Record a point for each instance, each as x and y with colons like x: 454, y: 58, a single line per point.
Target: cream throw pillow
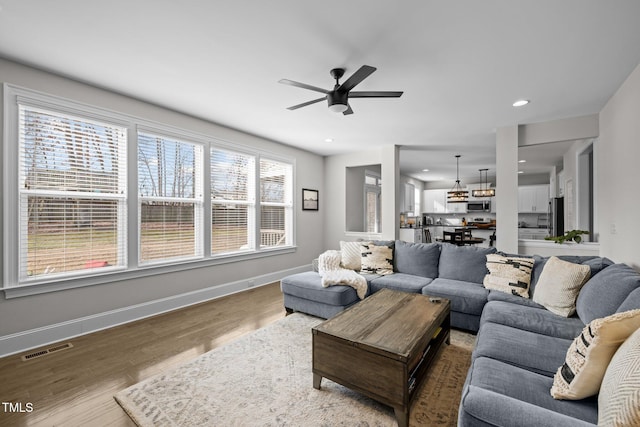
x: 511, y: 275
x: 619, y: 399
x: 590, y: 353
x: 351, y: 255
x: 376, y: 259
x: 559, y: 285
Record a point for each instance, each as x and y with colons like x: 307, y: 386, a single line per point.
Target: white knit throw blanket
x: 332, y: 274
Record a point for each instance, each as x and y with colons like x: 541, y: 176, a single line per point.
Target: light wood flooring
x: 75, y: 387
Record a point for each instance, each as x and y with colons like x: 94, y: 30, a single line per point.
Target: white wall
x: 21, y: 314
x: 334, y: 183
x: 618, y: 174
x: 507, y: 189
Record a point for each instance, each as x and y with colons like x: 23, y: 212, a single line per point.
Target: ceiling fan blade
x: 348, y: 110
x: 385, y: 94
x: 304, y: 104
x: 302, y: 85
x: 362, y: 73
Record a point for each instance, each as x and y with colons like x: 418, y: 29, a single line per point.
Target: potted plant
x: 573, y: 235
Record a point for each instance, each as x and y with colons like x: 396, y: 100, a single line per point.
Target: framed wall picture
x: 309, y: 200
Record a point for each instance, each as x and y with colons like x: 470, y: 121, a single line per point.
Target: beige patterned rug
x: 265, y: 379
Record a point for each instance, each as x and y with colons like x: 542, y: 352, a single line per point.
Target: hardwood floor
x: 75, y: 387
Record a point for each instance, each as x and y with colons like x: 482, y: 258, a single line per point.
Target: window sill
x: 144, y: 271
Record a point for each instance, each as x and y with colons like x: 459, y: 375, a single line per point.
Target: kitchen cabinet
x: 409, y: 197
x: 532, y: 233
x: 456, y: 208
x: 533, y: 198
x: 411, y: 235
x: 435, y: 201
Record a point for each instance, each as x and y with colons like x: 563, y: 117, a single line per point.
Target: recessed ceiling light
x: 425, y: 170
x: 328, y: 140
x: 522, y: 161
x: 520, y: 103
x: 520, y: 171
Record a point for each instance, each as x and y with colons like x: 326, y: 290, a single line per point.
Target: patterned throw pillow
x: 376, y: 259
x: 351, y: 255
x: 559, y: 285
x: 511, y: 275
x: 619, y: 398
x: 590, y: 353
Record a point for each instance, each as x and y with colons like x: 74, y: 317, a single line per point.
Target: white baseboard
x: 22, y: 341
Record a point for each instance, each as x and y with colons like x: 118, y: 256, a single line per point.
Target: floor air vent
x: 41, y: 353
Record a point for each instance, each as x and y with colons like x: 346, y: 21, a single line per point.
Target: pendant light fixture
x: 457, y: 194
x: 484, y: 190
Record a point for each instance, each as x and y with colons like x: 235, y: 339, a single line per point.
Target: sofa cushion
x: 595, y: 263
x: 464, y: 263
x: 603, y: 294
x: 559, y: 285
x: 465, y: 297
x: 511, y: 275
x: 529, y: 350
x: 351, y: 255
x: 499, y: 394
x: 376, y: 259
x: 631, y: 302
x: 590, y: 353
x: 399, y: 282
x: 512, y: 299
x: 308, y: 285
x: 619, y: 399
x: 533, y: 319
x: 418, y: 259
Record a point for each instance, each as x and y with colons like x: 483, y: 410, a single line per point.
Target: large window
x: 232, y: 201
x: 90, y: 193
x: 170, y: 196
x: 276, y: 203
x: 72, y: 194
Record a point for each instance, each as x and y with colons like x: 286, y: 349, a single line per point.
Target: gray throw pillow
x: 418, y: 259
x: 603, y: 293
x: 464, y: 263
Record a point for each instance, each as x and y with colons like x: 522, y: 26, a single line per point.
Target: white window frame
x: 12, y: 285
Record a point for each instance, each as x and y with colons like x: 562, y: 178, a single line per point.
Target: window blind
x: 276, y: 201
x: 72, y: 194
x: 232, y: 201
x: 170, y: 197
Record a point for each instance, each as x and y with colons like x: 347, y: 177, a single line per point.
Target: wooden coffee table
x: 382, y: 346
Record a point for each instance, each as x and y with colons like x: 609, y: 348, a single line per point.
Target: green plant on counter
x: 573, y: 235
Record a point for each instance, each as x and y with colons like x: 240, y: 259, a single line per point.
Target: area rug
x: 265, y: 379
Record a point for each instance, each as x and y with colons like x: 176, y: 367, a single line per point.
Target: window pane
x: 67, y: 235
x: 232, y: 201
x: 60, y: 152
x: 167, y: 230
x: 276, y: 190
x: 166, y: 167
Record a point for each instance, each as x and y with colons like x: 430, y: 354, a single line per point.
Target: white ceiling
x: 461, y: 64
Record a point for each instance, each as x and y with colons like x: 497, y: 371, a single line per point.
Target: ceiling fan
x: 338, y: 98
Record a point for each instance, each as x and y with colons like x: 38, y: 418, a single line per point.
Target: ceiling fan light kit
x: 457, y: 194
x: 338, y: 98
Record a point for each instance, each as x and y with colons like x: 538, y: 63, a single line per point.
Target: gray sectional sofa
x: 520, y: 344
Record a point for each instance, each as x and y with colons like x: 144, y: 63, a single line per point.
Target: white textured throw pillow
x: 590, y: 353
x: 619, y: 398
x: 511, y: 275
x: 351, y: 255
x: 376, y: 259
x: 559, y: 285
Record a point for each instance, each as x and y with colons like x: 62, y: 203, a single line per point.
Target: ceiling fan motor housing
x: 338, y: 100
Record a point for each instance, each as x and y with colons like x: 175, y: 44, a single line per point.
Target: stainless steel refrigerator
x: 556, y: 216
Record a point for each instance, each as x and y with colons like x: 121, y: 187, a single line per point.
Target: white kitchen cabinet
x: 532, y: 233
x: 533, y: 198
x: 435, y: 201
x: 409, y: 198
x: 456, y: 208
x: 411, y: 235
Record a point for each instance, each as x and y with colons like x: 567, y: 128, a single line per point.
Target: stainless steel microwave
x: 479, y: 206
